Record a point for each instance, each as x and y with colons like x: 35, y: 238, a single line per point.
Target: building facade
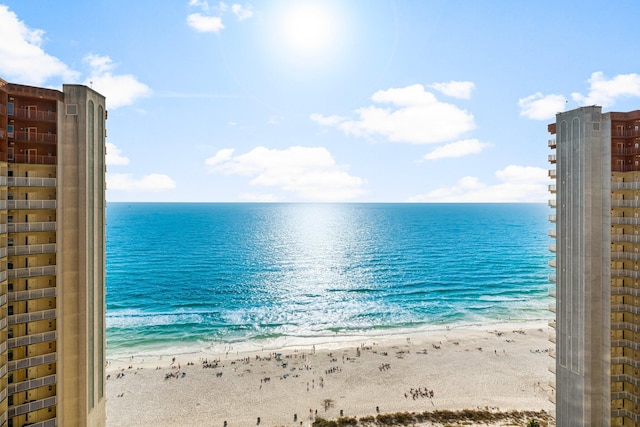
x: 597, y: 232
x: 52, y: 256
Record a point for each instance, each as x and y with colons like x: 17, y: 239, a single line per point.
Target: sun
x: 309, y: 28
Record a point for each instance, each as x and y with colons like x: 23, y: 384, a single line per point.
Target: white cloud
x: 202, y: 4
x: 23, y: 58
x: 603, y: 91
x: 416, y: 117
x: 242, y: 12
x: 457, y: 149
x: 221, y: 156
x: 120, y: 90
x: 309, y: 173
x: 455, y: 89
x: 541, y: 107
x: 518, y: 184
x: 114, y: 156
x: 154, y: 182
x: 327, y: 120
x: 205, y: 24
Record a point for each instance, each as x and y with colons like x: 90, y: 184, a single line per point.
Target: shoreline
x: 498, y: 366
x: 322, y: 341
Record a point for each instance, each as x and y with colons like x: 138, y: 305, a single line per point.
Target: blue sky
x: 340, y: 101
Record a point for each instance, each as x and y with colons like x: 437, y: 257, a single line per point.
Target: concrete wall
x: 583, y: 166
x: 81, y: 243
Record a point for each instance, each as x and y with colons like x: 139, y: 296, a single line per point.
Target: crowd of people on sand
x: 417, y: 393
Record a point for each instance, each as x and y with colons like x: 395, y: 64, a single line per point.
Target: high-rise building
x: 52, y: 256
x: 597, y: 232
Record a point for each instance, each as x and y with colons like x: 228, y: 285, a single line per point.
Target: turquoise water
x: 201, y: 275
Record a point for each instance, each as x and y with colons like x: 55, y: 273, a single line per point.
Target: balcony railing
x: 552, y: 173
x: 552, y: 262
x: 3, y: 276
x: 552, y: 203
x: 626, y: 413
x: 552, y: 143
x: 552, y: 188
x: 32, y: 361
x: 31, y: 204
x: 625, y: 308
x: 31, y: 406
x: 31, y: 384
x: 51, y: 422
x: 552, y: 308
x: 618, y: 326
x: 34, y: 316
x: 625, y: 361
x: 33, y: 159
x: 552, y: 232
x: 618, y: 203
x: 552, y: 292
x: 616, y: 185
x: 32, y: 294
x: 620, y: 290
x: 18, y: 227
x: 32, y: 339
x: 23, y: 113
x: 552, y: 248
x: 23, y: 136
x: 625, y: 220
x: 48, y: 248
x: 552, y: 218
x: 634, y: 274
x: 32, y: 271
x: 634, y: 256
x: 31, y: 182
x: 617, y: 395
x: 552, y: 278
x: 552, y: 158
x: 630, y: 238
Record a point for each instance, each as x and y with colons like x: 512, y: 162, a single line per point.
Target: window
x: 10, y: 310
x: 10, y: 108
x: 10, y: 131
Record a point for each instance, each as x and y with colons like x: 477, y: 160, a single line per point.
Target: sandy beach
x: 504, y: 367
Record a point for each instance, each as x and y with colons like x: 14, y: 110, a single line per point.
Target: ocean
x: 204, y: 276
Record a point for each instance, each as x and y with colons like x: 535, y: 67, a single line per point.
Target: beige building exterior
x: 52, y: 256
x: 597, y: 232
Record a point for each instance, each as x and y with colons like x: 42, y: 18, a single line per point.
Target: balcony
x: 552, y: 232
x: 552, y: 292
x: 552, y: 262
x: 625, y: 220
x: 34, y: 316
x: 552, y: 278
x: 31, y: 204
x: 552, y: 248
x: 626, y: 413
x: 552, y: 173
x: 633, y: 256
x: 32, y: 361
x: 552, y: 308
x: 552, y: 143
x: 32, y: 271
x: 33, y: 294
x: 620, y: 290
x: 31, y: 406
x: 48, y: 248
x: 28, y: 136
x: 31, y: 182
x: 552, y: 203
x: 33, y: 159
x: 32, y: 339
x: 552, y: 218
x: 616, y: 185
x: 19, y: 227
x: 618, y: 203
x: 552, y: 323
x: 552, y: 158
x: 51, y: 422
x: 552, y: 188
x: 634, y: 274
x: 619, y: 326
x: 630, y: 238
x: 552, y: 338
x: 31, y: 384
x: 3, y: 276
x: 43, y: 116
